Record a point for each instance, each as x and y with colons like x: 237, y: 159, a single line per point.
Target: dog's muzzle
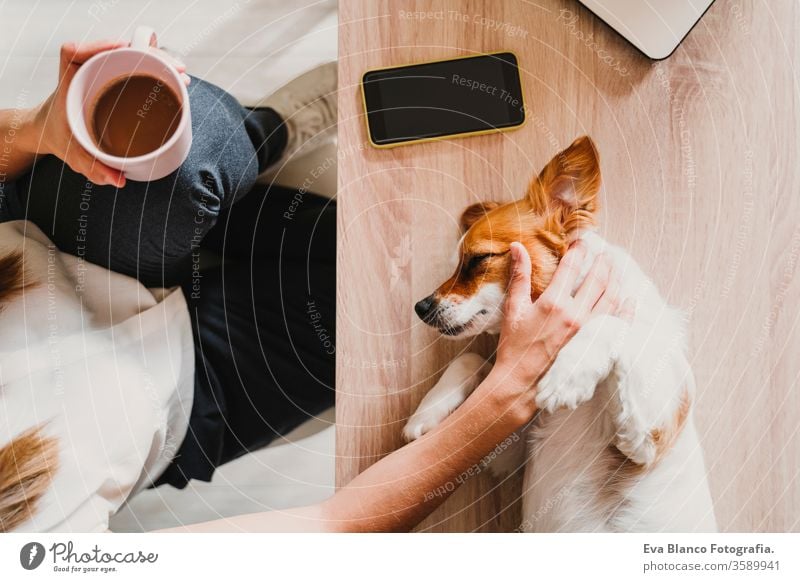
x: 429, y: 312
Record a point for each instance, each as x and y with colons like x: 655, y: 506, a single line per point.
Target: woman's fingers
x: 97, y: 172
x: 609, y: 300
x: 519, y: 289
x: 593, y: 285
x: 171, y: 59
x: 175, y: 61
x: 74, y: 55
x: 116, y: 177
x: 80, y: 53
x: 566, y: 274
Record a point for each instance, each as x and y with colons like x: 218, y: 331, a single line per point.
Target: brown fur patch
x: 665, y: 437
x: 12, y: 279
x: 28, y: 461
x: 492, y: 235
x: 27, y: 465
x: 568, y: 186
x: 475, y: 212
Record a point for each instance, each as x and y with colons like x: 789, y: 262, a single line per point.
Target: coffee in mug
x: 129, y: 109
x: 134, y: 115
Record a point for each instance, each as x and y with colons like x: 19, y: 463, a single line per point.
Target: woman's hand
x: 50, y: 133
x: 53, y: 135
x: 534, y: 331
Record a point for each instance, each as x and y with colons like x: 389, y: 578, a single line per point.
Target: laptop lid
x: 655, y: 27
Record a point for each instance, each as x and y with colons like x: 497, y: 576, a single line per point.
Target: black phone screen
x: 444, y: 98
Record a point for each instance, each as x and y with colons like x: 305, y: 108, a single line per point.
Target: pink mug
x: 97, y: 73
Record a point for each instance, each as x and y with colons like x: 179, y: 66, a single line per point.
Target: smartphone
x: 442, y: 99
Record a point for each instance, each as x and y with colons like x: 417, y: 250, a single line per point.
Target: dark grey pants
x: 263, y: 321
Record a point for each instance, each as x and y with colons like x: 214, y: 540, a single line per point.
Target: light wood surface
x: 701, y: 183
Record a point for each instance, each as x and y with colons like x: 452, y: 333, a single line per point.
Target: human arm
x: 15, y: 133
x: 394, y: 494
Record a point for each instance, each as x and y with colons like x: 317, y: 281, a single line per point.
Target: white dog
x: 614, y: 447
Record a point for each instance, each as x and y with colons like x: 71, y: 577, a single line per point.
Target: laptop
x: 655, y: 27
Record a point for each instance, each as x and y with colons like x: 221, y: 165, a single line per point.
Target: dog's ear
x: 568, y: 186
x: 474, y: 212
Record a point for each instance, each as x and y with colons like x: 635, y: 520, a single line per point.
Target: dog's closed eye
x: 473, y: 261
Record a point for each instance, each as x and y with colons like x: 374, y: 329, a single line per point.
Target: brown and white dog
x: 614, y: 447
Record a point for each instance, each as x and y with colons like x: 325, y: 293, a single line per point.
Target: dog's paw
x: 580, y: 365
x: 565, y: 386
x: 459, y: 380
x: 424, y: 421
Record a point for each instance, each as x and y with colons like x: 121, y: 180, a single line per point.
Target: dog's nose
x: 424, y: 307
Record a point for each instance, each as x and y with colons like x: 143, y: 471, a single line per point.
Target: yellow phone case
x: 443, y: 137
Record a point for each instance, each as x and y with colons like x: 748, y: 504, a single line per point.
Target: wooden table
x: 701, y: 182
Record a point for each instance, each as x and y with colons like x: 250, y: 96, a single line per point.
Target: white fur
x: 459, y: 380
x: 480, y: 313
x: 612, y: 385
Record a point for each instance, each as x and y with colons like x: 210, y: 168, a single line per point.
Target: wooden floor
x: 700, y: 161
